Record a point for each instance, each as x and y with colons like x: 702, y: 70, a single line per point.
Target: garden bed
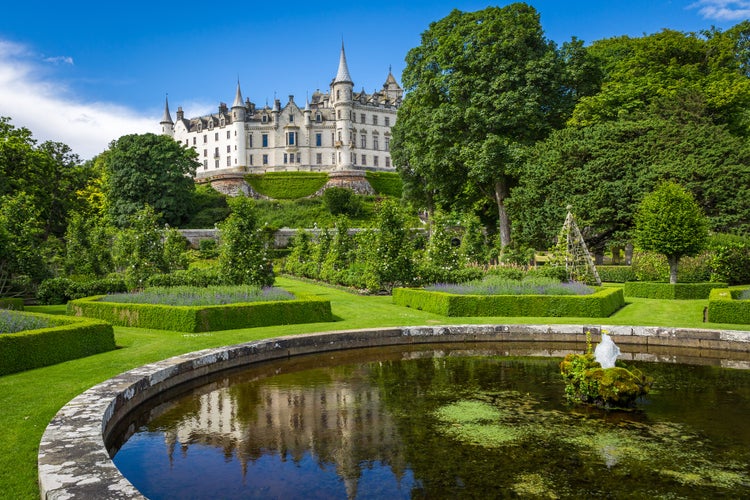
x: 602, y: 303
x: 729, y: 306
x: 678, y: 291
x: 62, y: 340
x: 205, y: 318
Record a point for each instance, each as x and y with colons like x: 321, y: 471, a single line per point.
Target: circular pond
x: 437, y: 421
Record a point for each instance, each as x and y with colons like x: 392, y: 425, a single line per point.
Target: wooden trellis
x: 578, y: 262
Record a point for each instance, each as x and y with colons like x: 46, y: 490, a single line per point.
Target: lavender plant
x: 745, y: 295
x: 14, y: 321
x: 192, y: 296
x: 498, y: 285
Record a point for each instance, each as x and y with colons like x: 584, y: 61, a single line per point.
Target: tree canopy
x: 149, y: 169
x: 480, y: 87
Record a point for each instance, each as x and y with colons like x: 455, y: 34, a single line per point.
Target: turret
x: 167, y: 125
x: 341, y: 96
x: 391, y: 88
x: 238, y: 107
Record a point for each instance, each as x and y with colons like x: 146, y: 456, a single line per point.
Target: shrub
x: 244, y: 252
x: 650, y: 266
x: 208, y: 249
x: 11, y: 303
x: 616, y: 274
x: 196, y: 277
x: 387, y: 183
x: 61, y: 290
x: 342, y: 201
x: 509, y: 272
x: 730, y: 260
x: 663, y: 290
x: 65, y: 339
x: 558, y: 273
x: 287, y: 185
x: 602, y: 303
x: 729, y: 306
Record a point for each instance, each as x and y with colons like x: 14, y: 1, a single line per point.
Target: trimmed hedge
x: 616, y: 274
x: 287, y: 185
x: 600, y: 304
x: 11, y: 303
x: 724, y: 306
x: 387, y: 183
x: 70, y: 338
x: 678, y: 291
x: 61, y: 290
x: 205, y: 318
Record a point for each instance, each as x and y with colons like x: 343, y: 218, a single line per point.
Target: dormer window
x: 318, y: 117
x: 264, y: 119
x: 291, y: 118
x: 222, y: 122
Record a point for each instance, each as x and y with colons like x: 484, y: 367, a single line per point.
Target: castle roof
x: 167, y: 118
x: 343, y: 76
x: 238, y: 97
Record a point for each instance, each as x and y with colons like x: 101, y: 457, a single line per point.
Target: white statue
x: 606, y: 352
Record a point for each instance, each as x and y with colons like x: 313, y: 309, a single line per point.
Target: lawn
x: 29, y: 400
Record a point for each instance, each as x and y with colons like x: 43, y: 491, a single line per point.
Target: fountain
x: 606, y: 352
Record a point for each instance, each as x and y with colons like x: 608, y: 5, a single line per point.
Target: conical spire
x: 343, y: 74
x: 238, y: 97
x: 167, y: 118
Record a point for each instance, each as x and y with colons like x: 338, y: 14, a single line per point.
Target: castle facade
x: 341, y: 132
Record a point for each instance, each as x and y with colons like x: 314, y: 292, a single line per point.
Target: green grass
x: 29, y: 400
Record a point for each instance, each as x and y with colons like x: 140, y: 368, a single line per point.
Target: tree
x: 149, y: 169
x: 244, y: 257
x: 389, y: 259
x: 139, y: 248
x: 670, y: 222
x: 21, y: 236
x: 481, y: 87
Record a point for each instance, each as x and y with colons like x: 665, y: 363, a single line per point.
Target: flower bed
x: 729, y: 306
x: 205, y: 318
x: 59, y: 339
x: 602, y: 303
x: 204, y: 296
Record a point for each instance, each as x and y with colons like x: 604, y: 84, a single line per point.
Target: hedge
x: 61, y: 290
x: 387, y: 183
x: 679, y: 291
x: 602, y: 303
x: 287, y: 185
x: 616, y: 274
x: 11, y: 303
x: 724, y: 306
x: 69, y: 338
x: 205, y: 318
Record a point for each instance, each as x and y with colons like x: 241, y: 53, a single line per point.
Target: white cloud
x: 32, y: 98
x: 723, y: 10
x: 59, y: 59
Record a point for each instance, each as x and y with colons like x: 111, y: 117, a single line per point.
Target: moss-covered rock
x: 587, y: 382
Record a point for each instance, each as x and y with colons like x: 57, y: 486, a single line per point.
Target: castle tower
x: 392, y: 89
x: 239, y: 113
x: 167, y: 125
x: 341, y: 97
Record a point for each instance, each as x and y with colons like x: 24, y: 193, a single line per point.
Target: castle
x: 342, y: 132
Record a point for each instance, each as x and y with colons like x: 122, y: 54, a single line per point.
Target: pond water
x: 445, y: 421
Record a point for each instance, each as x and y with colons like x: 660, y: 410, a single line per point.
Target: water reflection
x: 350, y: 425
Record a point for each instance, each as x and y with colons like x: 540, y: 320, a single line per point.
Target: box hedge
x: 205, y: 318
x: 724, y: 306
x: 67, y: 338
x: 660, y: 290
x: 387, y: 183
x: 11, y: 303
x: 287, y: 185
x: 616, y: 274
x: 602, y: 303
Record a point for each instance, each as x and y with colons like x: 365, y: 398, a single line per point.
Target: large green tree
x: 670, y: 222
x: 480, y: 88
x: 149, y: 169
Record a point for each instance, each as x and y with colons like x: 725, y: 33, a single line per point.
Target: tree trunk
x: 673, y: 263
x: 503, y: 225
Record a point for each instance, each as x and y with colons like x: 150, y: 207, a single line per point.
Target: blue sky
x: 85, y: 73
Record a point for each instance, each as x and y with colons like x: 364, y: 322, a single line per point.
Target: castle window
x: 354, y: 159
x: 216, y: 136
x: 318, y: 117
x: 363, y: 118
x: 338, y: 96
x: 319, y: 158
x: 265, y: 159
x: 264, y: 118
x: 363, y: 141
x: 229, y: 149
x: 318, y: 139
x: 205, y: 153
x: 364, y: 159
x: 387, y: 143
x: 375, y: 143
x: 205, y: 164
x: 205, y: 138
x: 221, y: 123
x: 216, y: 163
x: 229, y: 161
x: 291, y: 118
x: 333, y: 158
x: 375, y: 160
x: 387, y: 121
x: 187, y: 143
x: 229, y: 134
x: 250, y: 140
x: 338, y: 113
x: 291, y: 138
x: 374, y: 119
x: 194, y: 141
x: 251, y: 159
x: 216, y: 152
x: 387, y: 161
x: 265, y: 140
x: 299, y: 158
x: 200, y: 127
x: 285, y: 157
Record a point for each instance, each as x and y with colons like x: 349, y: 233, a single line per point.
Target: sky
x: 86, y: 73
